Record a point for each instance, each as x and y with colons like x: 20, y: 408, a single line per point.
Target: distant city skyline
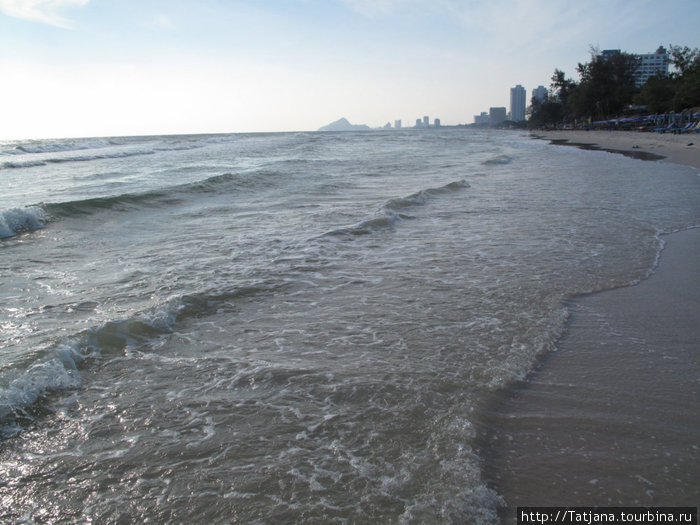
x: 650, y: 64
x: 540, y: 94
x: 88, y: 68
x: 517, y: 103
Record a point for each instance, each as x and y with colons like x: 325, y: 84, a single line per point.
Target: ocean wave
x: 46, y: 212
x: 392, y: 211
x: 124, y: 202
x: 60, y: 146
x: 369, y: 226
x: 180, y: 147
x: 21, y: 220
x: 498, y: 160
x: 24, y: 154
x: 31, y: 218
x: 421, y: 197
x: 25, y: 396
x: 19, y: 399
x: 59, y: 369
x: 10, y: 164
x: 28, y: 163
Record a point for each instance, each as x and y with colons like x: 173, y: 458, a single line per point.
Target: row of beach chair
x: 691, y: 127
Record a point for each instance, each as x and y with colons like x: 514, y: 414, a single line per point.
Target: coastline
x: 680, y: 149
x: 609, y: 419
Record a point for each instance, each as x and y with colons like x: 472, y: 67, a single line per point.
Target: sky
x: 82, y: 68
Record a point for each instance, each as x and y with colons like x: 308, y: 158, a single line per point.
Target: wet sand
x: 611, y: 417
x: 667, y: 147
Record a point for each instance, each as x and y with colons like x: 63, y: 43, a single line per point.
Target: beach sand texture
x: 567, y: 435
x: 680, y: 149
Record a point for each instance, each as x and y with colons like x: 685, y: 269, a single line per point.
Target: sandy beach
x: 555, y: 433
x: 549, y: 440
x: 680, y: 149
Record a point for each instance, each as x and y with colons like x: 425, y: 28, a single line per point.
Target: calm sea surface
x: 292, y: 328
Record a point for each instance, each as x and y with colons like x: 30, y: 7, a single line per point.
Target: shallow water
x: 293, y: 327
x: 610, y: 418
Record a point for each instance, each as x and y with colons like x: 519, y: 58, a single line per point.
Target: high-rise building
x: 397, y: 124
x: 497, y: 116
x: 651, y: 64
x: 517, y: 103
x: 540, y: 94
x: 608, y: 53
x: 437, y: 122
x: 426, y: 121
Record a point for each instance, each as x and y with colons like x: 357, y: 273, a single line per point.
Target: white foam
x: 19, y: 220
x: 57, y: 372
x: 52, y: 147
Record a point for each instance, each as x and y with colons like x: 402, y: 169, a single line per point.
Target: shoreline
x: 681, y: 149
x: 609, y: 418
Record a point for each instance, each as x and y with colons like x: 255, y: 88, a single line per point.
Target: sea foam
x: 21, y: 220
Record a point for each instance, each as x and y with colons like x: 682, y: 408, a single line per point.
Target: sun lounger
x: 670, y: 127
x: 688, y: 128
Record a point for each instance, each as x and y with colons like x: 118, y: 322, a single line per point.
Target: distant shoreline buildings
x: 497, y: 115
x: 421, y: 123
x: 424, y: 123
x: 540, y: 94
x: 650, y: 64
x: 517, y: 103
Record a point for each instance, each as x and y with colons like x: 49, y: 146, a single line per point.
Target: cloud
x: 44, y: 11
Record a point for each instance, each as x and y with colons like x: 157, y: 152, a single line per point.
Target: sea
x: 294, y: 327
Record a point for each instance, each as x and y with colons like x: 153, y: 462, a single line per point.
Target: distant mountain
x: 344, y: 125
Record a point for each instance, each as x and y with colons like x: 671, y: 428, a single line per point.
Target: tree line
x: 606, y: 89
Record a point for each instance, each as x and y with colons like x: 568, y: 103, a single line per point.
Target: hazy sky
x: 123, y: 67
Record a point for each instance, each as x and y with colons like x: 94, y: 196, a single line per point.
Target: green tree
x: 684, y: 59
x: 545, y: 114
x: 606, y: 86
x: 658, y: 94
x: 687, y: 77
x: 562, y: 89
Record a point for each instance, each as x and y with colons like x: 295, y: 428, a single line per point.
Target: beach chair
x: 664, y: 129
x: 686, y: 129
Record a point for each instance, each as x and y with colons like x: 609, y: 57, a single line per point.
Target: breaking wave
x: 28, y: 163
x: 21, y: 220
x: 42, y: 153
x: 26, y: 396
x: 423, y: 196
x: 394, y: 208
x: 58, y: 146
